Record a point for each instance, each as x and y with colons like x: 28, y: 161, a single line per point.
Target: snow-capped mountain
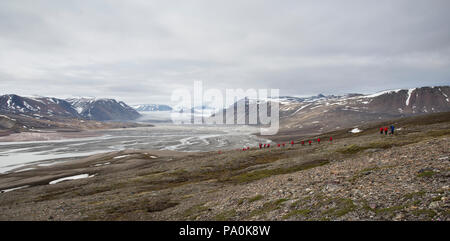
x: 325, y: 113
x: 37, y: 106
x: 394, y: 102
x: 103, y: 109
x: 78, y: 108
x: 151, y: 107
x: 330, y: 113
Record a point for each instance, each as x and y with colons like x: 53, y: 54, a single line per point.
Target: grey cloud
x: 139, y: 51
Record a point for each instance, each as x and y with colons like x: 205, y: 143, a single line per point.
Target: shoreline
x: 33, y: 174
x: 60, y: 134
x: 48, y: 136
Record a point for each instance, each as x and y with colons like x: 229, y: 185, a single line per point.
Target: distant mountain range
x: 77, y: 108
x: 103, y: 109
x: 202, y: 110
x: 307, y: 115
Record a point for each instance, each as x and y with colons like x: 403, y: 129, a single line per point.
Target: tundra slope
x: 362, y: 176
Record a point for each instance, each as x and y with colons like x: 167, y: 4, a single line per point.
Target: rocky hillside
x: 322, y: 113
x: 6, y: 122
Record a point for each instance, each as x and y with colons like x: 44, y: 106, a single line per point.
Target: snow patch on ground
x: 29, y: 106
x: 81, y: 176
x: 410, y: 91
x: 102, y: 164
x: 301, y: 108
x: 13, y: 189
x: 9, y: 102
x: 443, y: 93
x: 355, y: 130
x: 118, y: 157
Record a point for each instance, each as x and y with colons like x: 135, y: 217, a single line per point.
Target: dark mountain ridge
x: 75, y: 108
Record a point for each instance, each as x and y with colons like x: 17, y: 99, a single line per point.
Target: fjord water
x: 186, y: 138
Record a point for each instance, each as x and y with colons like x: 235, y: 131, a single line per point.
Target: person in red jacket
x: 284, y: 144
x: 264, y: 145
x: 309, y: 142
x: 385, y: 130
x: 260, y: 145
x: 318, y: 140
x: 331, y: 139
x: 278, y: 144
x: 381, y: 130
x: 292, y: 143
x: 303, y: 143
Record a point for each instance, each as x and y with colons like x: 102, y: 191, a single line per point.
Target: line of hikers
x: 262, y: 146
x: 385, y: 130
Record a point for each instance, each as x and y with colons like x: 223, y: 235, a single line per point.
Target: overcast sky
x: 139, y: 51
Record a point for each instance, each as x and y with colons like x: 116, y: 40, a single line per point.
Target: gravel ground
x: 403, y: 183
x: 363, y: 176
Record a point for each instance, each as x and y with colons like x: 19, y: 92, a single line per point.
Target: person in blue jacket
x: 392, y: 129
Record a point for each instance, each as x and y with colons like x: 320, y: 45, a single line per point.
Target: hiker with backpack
x: 392, y: 129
